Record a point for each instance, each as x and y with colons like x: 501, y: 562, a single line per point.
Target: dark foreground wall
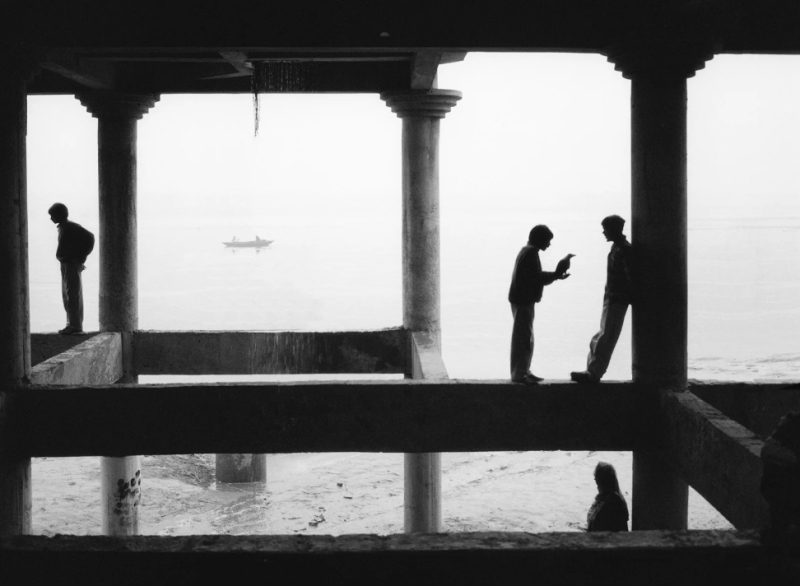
x: 759, y: 407
x: 646, y: 557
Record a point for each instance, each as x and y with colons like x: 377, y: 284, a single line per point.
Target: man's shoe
x: 71, y: 331
x: 528, y: 379
x: 583, y: 377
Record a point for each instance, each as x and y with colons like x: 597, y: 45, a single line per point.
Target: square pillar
x: 16, y: 69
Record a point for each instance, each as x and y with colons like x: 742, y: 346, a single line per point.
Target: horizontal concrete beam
x: 91, y: 74
x: 268, y: 352
x: 392, y: 416
x: 95, y: 361
x: 758, y: 407
x: 636, y: 558
x: 717, y: 456
x: 563, y: 25
x: 317, y: 77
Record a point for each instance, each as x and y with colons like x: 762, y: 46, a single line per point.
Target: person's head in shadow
x: 613, y: 227
x: 540, y: 237
x: 609, y: 512
x: 58, y: 213
x: 605, y: 476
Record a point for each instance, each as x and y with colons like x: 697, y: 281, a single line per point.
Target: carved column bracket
x: 660, y: 60
x: 106, y: 104
x: 421, y: 103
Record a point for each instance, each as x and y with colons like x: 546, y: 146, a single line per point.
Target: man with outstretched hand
x: 527, y: 283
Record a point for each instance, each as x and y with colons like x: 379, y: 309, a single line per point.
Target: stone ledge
x: 646, y: 557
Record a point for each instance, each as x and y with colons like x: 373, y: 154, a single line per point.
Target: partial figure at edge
x: 609, y: 512
x: 780, y: 480
x: 74, y: 244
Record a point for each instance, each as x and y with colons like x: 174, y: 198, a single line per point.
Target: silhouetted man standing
x: 74, y: 244
x: 527, y: 284
x: 618, y: 296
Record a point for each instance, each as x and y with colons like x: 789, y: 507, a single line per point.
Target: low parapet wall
x: 717, y: 456
x: 636, y: 558
x: 236, y: 352
x: 93, y: 361
x: 47, y: 345
x: 758, y: 407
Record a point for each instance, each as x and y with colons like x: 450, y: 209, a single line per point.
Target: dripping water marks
x: 281, y: 76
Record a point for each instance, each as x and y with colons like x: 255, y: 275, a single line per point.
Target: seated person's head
x: 606, y: 477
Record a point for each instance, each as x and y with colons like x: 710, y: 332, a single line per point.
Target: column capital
x: 107, y: 104
x: 421, y: 103
x: 672, y: 60
x: 671, y: 39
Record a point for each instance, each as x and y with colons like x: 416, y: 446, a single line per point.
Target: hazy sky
x: 531, y: 130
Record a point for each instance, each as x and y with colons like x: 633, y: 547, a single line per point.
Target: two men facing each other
x: 527, y: 284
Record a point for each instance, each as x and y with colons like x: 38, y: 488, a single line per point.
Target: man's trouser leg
x: 72, y: 293
x: 603, y: 343
x: 521, y: 340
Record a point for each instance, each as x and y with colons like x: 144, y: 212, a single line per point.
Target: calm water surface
x: 343, y: 273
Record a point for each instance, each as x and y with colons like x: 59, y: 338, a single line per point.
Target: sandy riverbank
x: 340, y: 493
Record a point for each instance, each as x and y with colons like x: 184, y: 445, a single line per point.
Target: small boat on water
x: 257, y: 243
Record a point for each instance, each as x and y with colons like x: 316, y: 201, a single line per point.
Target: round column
x: 421, y: 111
x: 660, y: 314
x: 117, y: 115
x: 659, y: 230
x: 658, y: 73
x: 15, y: 364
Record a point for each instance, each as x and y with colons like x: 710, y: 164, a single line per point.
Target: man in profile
x: 527, y: 284
x: 618, y: 295
x: 74, y: 244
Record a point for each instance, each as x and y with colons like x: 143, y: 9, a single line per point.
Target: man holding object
x: 527, y: 284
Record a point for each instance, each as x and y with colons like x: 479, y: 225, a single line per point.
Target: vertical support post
x: 421, y: 111
x: 15, y: 362
x: 117, y: 115
x: 659, y: 238
x: 659, y: 232
x: 241, y: 468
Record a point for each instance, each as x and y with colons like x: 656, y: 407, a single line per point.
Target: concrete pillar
x: 421, y: 111
x: 15, y: 363
x: 120, y: 483
x: 659, y: 238
x: 119, y: 306
x: 659, y: 230
x: 238, y: 468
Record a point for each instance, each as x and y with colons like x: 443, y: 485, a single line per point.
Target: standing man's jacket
x: 619, y: 288
x: 74, y: 242
x: 528, y: 279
